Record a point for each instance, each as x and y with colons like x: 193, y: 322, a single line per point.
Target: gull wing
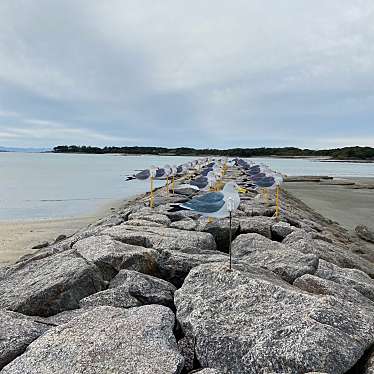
x: 144, y: 174
x: 206, y: 203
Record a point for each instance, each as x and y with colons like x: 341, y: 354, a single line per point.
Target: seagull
x: 213, y: 204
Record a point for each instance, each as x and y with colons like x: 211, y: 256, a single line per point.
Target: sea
x: 50, y: 186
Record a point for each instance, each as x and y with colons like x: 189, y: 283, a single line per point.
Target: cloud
x: 214, y: 73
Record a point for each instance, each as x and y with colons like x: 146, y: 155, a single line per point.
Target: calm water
x: 34, y: 186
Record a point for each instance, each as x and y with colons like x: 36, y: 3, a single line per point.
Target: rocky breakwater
x: 149, y: 291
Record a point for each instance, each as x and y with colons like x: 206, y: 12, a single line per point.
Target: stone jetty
x: 149, y: 291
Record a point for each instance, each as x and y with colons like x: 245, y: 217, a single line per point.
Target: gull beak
x: 242, y: 190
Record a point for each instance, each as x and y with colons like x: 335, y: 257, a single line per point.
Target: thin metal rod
x: 230, y: 242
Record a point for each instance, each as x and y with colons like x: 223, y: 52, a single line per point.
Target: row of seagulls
x: 206, y: 176
x: 262, y: 178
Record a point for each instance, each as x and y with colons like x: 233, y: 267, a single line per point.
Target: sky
x: 199, y: 73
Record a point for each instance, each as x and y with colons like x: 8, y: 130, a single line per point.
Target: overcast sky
x: 202, y: 73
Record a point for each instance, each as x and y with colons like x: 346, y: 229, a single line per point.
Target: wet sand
x: 18, y: 237
x: 343, y: 204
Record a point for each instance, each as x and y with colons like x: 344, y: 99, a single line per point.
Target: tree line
x: 346, y: 153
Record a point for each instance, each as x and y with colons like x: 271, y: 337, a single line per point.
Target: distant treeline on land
x: 346, y: 153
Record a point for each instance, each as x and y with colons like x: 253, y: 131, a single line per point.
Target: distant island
x: 346, y: 153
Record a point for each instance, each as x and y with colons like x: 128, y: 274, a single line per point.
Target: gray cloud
x: 212, y: 73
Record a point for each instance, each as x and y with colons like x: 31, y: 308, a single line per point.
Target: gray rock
x: 106, y: 340
x: 252, y: 209
x: 246, y: 321
x: 16, y: 333
x: 175, y: 265
x: 208, y: 371
x: 335, y: 254
x: 142, y: 222
x: 112, y: 220
x: 186, y: 191
x: 40, y: 246
x: 257, y: 250
x: 184, y: 224
x: 131, y: 288
x: 186, y: 347
x: 220, y: 229
x: 320, y: 286
x: 257, y: 225
x: 110, y: 255
x: 162, y: 238
x: 66, y: 316
x: 50, y: 285
x: 353, y: 278
x: 280, y: 230
x: 364, y: 233
x: 369, y: 366
x: 60, y: 238
x: 161, y: 219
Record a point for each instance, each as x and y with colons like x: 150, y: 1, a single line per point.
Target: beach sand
x: 18, y: 237
x: 343, y: 204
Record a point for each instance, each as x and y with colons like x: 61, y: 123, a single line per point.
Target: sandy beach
x: 343, y: 204
x: 18, y: 237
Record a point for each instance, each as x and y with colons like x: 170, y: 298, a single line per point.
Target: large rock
x: 279, y: 230
x: 143, y: 223
x: 175, y: 265
x: 247, y: 321
x: 335, y: 254
x: 106, y: 340
x: 257, y: 250
x: 50, y: 285
x: 131, y: 288
x: 16, y: 333
x: 184, y: 224
x: 111, y: 255
x: 257, y: 225
x: 220, y: 229
x: 353, y: 278
x: 369, y: 367
x: 162, y: 238
x: 364, y: 233
x: 320, y: 286
x: 161, y: 219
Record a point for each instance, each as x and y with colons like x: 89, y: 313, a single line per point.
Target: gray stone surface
x: 220, y: 229
x: 335, y: 254
x: 130, y: 288
x: 143, y: 223
x: 184, y: 224
x: 320, y: 286
x: 151, y: 216
x: 246, y: 321
x: 111, y: 255
x: 16, y: 333
x: 258, y: 225
x: 106, y: 340
x: 364, y: 233
x: 369, y: 366
x: 352, y: 278
x: 162, y: 238
x: 279, y: 230
x: 50, y: 285
x: 175, y: 265
x: 257, y: 250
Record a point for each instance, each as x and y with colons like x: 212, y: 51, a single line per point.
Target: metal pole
x: 230, y: 242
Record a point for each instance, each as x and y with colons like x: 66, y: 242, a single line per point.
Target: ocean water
x: 43, y: 186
